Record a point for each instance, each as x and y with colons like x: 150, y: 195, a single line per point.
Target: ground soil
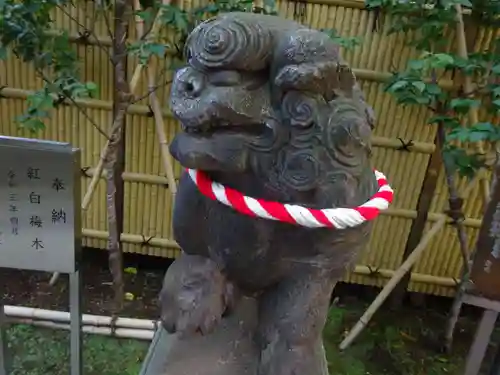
x: 29, y: 288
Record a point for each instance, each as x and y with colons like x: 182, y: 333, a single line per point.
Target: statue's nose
x: 189, y: 82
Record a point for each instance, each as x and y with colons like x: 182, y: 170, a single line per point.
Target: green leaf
x: 447, y: 121
x: 397, y: 86
x: 423, y: 100
x: 372, y: 4
x: 130, y: 270
x: 129, y: 296
x: 40, y: 101
x: 433, y: 89
x: 416, y: 64
x: 181, y: 23
x: 33, y: 124
x: 145, y: 15
x: 3, y: 53
x: 157, y: 49
x: 463, y: 104
x: 441, y: 60
x: 419, y: 85
x: 457, y: 134
x: 477, y: 136
x: 91, y: 87
x: 496, y: 69
x: 478, y: 132
x: 484, y: 127
x: 458, y: 159
x: 270, y: 4
x: 465, y: 3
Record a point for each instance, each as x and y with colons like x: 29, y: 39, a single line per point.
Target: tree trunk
x: 113, y: 164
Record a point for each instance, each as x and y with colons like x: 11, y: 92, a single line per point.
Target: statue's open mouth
x: 217, y: 146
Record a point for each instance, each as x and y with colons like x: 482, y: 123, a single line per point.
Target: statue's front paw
x: 194, y: 298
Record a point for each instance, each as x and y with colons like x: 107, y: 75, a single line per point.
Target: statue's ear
x: 326, y: 78
x: 305, y: 60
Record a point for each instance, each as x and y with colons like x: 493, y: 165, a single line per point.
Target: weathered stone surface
x: 229, y: 350
x: 269, y: 108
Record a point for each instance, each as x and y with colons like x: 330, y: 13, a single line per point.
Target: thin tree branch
x: 107, y: 22
x: 86, y: 30
x: 151, y: 90
x: 73, y: 101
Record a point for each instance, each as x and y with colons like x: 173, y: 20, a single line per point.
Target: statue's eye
x: 224, y: 78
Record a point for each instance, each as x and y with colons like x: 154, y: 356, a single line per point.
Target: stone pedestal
x: 227, y: 351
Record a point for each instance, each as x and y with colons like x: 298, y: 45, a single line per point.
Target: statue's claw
x: 195, y: 296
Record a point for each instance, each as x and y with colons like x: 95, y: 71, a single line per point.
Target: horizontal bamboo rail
x: 149, y: 179
x: 359, y: 270
x: 432, y: 216
x: 106, y: 105
x: 133, y: 239
x: 415, y: 277
x: 394, y: 143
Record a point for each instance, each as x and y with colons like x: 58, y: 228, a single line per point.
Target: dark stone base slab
x: 227, y: 351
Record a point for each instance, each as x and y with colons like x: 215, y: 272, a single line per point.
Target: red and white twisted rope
x: 339, y: 218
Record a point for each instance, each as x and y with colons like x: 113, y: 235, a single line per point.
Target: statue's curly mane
x: 320, y: 123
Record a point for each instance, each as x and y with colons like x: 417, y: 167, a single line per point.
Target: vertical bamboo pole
x: 160, y: 131
x: 156, y: 108
x: 468, y: 89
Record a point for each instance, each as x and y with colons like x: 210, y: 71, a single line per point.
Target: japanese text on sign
x: 38, y: 209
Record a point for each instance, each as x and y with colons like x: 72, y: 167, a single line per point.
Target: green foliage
x: 24, y: 31
x: 27, y: 31
x: 431, y: 25
x: 395, y: 342
x: 41, y: 352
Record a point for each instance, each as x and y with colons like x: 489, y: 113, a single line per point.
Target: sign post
x: 40, y: 220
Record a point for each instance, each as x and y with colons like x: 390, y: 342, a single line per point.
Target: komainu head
x: 264, y: 95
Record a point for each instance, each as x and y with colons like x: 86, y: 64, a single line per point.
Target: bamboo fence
x: 148, y: 196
